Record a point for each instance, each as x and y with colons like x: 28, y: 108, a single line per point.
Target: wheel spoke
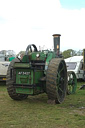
x: 60, y: 89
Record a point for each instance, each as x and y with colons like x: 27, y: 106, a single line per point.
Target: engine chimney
x: 56, y: 38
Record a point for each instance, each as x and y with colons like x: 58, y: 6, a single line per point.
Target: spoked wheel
x: 10, y: 80
x: 56, y: 80
x: 72, y: 82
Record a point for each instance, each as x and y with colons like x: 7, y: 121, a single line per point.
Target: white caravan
x: 4, y: 62
x: 75, y: 64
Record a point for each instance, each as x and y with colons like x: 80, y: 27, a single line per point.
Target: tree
x: 80, y: 53
x: 68, y: 53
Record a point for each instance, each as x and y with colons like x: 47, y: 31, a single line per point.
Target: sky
x: 73, y: 4
x: 24, y: 22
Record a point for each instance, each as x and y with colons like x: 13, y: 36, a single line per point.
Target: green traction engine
x: 38, y: 72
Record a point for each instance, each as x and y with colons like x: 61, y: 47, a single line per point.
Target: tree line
x: 70, y: 52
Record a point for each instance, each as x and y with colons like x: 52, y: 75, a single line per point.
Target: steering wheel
x: 29, y: 48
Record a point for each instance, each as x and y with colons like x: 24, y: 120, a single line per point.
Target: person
x: 11, y: 58
x: 21, y: 56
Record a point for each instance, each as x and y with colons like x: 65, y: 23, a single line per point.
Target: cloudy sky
x: 23, y: 22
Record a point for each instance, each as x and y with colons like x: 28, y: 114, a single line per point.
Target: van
x: 75, y: 64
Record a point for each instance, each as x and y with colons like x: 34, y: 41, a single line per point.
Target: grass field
x: 34, y: 112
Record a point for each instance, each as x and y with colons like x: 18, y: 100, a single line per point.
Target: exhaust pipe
x: 56, y: 38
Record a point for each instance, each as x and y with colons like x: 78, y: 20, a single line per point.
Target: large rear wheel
x: 56, y: 80
x: 11, y: 74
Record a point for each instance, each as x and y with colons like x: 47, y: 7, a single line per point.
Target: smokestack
x: 56, y: 38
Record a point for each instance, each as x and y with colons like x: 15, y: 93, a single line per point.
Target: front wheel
x: 72, y: 82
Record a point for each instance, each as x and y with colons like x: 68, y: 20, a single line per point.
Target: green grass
x: 34, y: 112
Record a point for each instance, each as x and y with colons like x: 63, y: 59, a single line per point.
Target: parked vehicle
x: 5, y: 57
x: 75, y: 64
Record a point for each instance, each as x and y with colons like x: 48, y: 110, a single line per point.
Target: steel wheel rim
x: 60, y: 81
